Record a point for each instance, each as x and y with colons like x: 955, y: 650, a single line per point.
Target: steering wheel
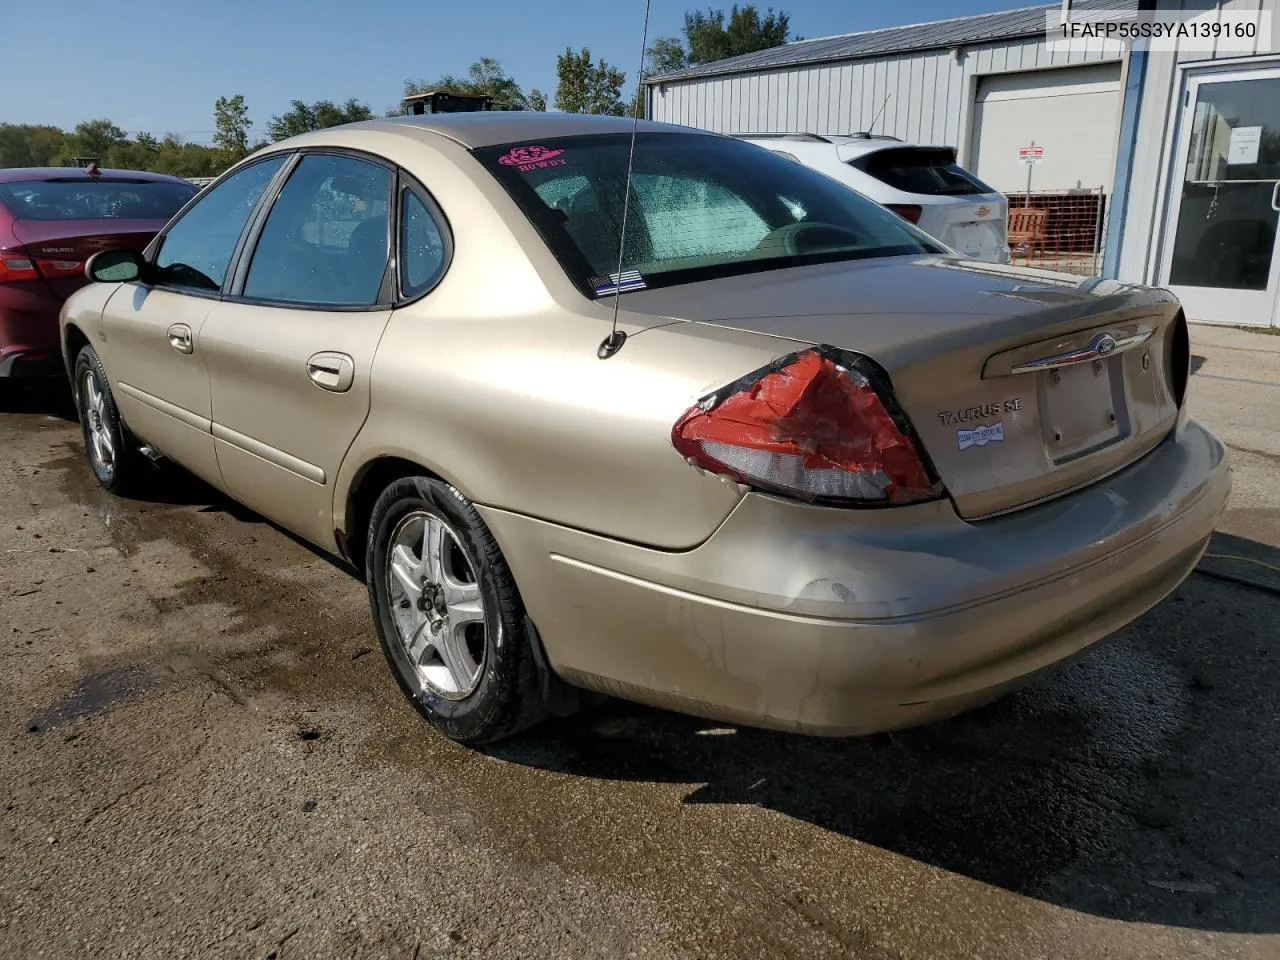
x: 790, y: 237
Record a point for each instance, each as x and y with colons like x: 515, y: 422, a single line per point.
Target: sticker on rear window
x: 529, y: 158
x: 618, y: 283
x: 981, y: 435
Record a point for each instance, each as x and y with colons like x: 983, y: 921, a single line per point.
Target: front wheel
x: 107, y: 443
x: 448, y: 613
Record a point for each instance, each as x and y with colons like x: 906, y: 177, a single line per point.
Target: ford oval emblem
x: 1104, y: 344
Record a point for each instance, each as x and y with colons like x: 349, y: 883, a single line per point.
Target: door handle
x: 332, y: 371
x: 1275, y: 197
x: 180, y: 338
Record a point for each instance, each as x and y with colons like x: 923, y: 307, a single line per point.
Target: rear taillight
x: 820, y: 424
x: 907, y: 211
x: 14, y: 267
x: 60, y: 268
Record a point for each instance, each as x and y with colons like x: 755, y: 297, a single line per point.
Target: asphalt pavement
x: 203, y: 755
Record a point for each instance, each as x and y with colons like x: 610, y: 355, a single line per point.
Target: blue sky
x: 158, y: 65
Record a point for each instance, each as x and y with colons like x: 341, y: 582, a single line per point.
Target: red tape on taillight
x: 811, y: 425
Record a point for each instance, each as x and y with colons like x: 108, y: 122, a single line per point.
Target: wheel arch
x: 367, y: 482
x: 73, y: 341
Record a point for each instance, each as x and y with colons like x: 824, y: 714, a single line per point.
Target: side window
x: 325, y: 239
x: 422, y: 246
x: 196, y: 251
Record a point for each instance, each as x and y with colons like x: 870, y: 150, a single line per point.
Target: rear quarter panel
x: 519, y: 413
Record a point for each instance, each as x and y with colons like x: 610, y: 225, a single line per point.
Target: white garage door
x: 1072, y: 112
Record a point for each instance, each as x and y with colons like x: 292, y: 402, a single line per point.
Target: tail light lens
x: 60, y: 268
x: 15, y: 267
x: 907, y: 211
x: 820, y: 425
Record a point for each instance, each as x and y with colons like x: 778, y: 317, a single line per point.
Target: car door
x: 151, y: 331
x: 290, y: 351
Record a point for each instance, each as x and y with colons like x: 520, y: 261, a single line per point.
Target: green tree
x: 231, y: 126
x: 585, y: 87
x: 711, y: 36
x: 666, y: 56
x: 28, y: 145
x: 137, y: 154
x: 485, y: 77
x: 303, y: 117
x: 92, y: 138
x: 537, y: 100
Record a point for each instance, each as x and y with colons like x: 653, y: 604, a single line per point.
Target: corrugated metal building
x: 1183, y: 147
x: 984, y: 84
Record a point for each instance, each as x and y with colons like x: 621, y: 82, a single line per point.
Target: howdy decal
x: 532, y: 158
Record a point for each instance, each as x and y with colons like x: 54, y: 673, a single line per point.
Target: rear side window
x: 196, y: 251
x: 82, y: 199
x: 325, y: 241
x: 422, y: 246
x: 929, y: 171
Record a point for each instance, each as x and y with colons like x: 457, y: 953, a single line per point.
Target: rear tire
x: 448, y: 614
x: 111, y: 451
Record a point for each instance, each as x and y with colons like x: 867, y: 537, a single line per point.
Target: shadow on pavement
x: 1139, y: 782
x: 50, y: 396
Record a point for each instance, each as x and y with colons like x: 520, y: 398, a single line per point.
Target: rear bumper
x: 842, y: 622
x: 29, y: 344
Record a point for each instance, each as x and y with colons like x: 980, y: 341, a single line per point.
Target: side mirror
x: 115, y: 266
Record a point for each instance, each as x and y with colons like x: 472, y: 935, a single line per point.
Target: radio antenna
x: 872, y: 129
x: 613, y: 343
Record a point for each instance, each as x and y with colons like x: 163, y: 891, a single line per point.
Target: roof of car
x: 854, y: 144
x: 11, y: 174
x: 484, y: 128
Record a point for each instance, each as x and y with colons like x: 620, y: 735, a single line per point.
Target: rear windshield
x: 81, y: 199
x: 930, y: 171
x: 701, y: 207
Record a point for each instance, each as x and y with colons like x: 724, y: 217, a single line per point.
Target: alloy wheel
x: 437, y: 606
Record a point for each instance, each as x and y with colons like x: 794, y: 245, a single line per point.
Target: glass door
x: 1223, y: 261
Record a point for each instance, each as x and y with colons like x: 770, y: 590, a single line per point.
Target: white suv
x: 919, y: 183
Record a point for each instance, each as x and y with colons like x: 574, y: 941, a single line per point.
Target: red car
x: 52, y: 219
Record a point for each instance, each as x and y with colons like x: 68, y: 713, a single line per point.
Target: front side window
x: 100, y: 199
x: 422, y: 246
x: 701, y: 206
x: 325, y: 240
x: 196, y: 251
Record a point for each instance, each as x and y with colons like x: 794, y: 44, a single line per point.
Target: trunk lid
x: 1021, y: 384
x: 61, y: 247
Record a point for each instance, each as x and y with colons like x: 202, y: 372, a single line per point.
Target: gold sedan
x: 767, y: 453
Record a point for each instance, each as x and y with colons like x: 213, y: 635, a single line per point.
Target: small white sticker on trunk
x: 981, y: 435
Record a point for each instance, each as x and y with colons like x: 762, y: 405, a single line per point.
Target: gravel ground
x: 203, y: 754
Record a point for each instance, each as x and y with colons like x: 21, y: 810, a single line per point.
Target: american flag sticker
x: 618, y: 282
